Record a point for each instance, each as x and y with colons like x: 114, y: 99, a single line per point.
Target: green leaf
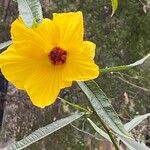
x: 30, y: 12
x: 34, y: 24
x: 43, y: 132
x: 132, y: 144
x: 124, y: 67
x: 139, y: 62
x: 102, y: 106
x: 100, y: 131
x: 134, y: 122
x: 128, y: 141
x: 114, y: 4
x: 5, y: 44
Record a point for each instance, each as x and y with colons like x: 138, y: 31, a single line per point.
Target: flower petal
x: 16, y: 68
x: 41, y: 80
x: 70, y: 27
x: 89, y: 49
x: 43, y: 86
x: 80, y: 68
x: 33, y: 42
x: 66, y: 84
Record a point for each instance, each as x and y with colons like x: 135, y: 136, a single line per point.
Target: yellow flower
x: 48, y: 58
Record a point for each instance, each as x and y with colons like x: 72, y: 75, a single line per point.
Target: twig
x: 134, y: 85
x: 142, y: 2
x: 85, y: 132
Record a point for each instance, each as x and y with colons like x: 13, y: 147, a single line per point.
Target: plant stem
x: 74, y: 105
x: 114, y: 69
x: 87, y: 111
x: 109, y: 133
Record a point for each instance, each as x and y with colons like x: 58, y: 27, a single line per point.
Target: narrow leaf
x: 124, y: 67
x: 5, y: 44
x: 100, y: 131
x: 134, y: 122
x: 102, y: 106
x: 43, y: 132
x: 30, y: 12
x: 139, y: 62
x: 132, y: 144
x: 114, y: 4
x: 128, y: 141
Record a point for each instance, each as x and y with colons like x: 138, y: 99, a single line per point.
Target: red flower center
x: 57, y: 56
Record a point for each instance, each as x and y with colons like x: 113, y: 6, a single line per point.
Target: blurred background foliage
x: 121, y: 39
